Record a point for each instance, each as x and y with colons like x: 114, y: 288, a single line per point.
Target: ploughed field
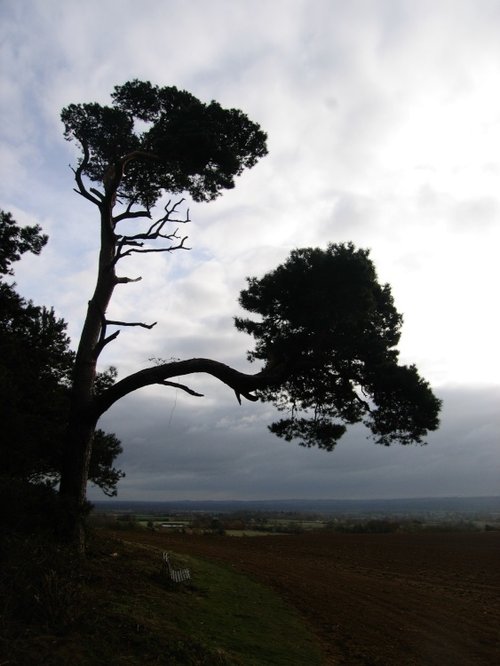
x: 388, y: 599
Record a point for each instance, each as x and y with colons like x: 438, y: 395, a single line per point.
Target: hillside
x: 430, y: 598
x: 118, y: 607
x: 317, y: 598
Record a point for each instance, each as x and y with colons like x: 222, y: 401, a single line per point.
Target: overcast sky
x: 383, y: 120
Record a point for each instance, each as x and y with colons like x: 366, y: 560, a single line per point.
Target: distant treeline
x: 404, y: 506
x: 254, y: 523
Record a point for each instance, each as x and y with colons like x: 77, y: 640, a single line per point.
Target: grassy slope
x: 120, y: 609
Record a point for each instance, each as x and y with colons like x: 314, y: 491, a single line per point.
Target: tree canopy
x: 154, y: 139
x: 15, y: 241
x: 332, y: 329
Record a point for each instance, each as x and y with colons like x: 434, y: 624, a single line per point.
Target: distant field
x: 426, y: 599
x: 258, y: 524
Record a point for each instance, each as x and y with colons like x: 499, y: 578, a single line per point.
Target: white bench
x: 176, y: 575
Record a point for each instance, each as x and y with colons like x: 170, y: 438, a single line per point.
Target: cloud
x: 383, y: 122
x: 476, y: 214
x: 185, y: 448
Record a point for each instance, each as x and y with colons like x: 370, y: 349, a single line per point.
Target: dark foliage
x: 35, y: 374
x: 40, y: 590
x: 178, y: 143
x: 27, y: 508
x: 15, y: 241
x: 106, y: 447
x: 333, y: 330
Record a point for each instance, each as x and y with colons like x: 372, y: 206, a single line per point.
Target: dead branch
x: 136, y: 242
x: 155, y: 230
x: 129, y: 213
x: 98, y: 194
x: 126, y: 280
x: 109, y: 322
x: 82, y: 190
x: 105, y: 341
x: 172, y: 248
x: 183, y: 387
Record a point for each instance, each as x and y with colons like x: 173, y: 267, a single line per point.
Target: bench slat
x: 177, y: 575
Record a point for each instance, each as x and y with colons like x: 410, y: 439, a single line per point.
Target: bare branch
x: 98, y: 194
x: 128, y: 213
x: 78, y: 174
x: 105, y: 341
x: 126, y: 280
x: 241, y: 383
x: 183, y: 387
x: 172, y: 248
x: 155, y: 230
x: 127, y: 323
x: 85, y: 194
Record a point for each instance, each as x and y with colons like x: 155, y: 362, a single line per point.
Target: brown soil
x: 389, y: 599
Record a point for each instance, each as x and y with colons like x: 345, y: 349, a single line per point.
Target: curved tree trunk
x: 83, y: 415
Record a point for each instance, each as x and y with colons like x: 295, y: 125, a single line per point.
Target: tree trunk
x: 74, y: 477
x: 83, y: 414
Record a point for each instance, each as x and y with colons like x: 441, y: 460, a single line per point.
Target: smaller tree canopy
x: 15, y: 241
x: 333, y: 330
x: 155, y: 139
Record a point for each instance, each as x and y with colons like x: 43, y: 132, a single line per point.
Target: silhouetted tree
x: 333, y: 330
x: 328, y: 353
x: 151, y: 140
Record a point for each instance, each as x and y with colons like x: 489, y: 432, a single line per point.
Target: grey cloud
x: 354, y: 214
x: 220, y: 450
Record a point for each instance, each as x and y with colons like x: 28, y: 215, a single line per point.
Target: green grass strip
x: 120, y: 608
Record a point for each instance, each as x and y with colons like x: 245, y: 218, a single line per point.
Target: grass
x: 117, y: 607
